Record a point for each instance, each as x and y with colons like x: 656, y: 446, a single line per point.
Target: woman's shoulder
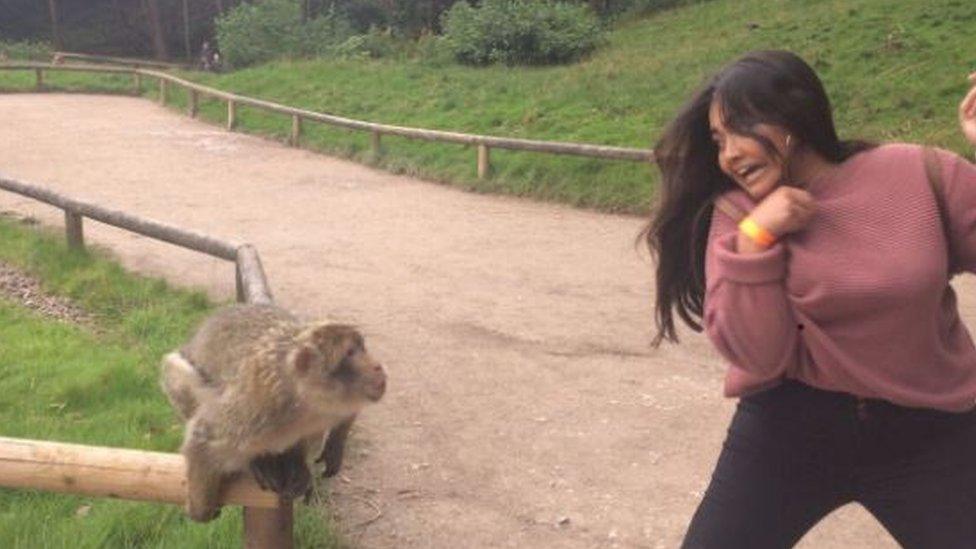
x: 904, y: 158
x: 883, y: 160
x: 890, y: 152
x: 887, y: 152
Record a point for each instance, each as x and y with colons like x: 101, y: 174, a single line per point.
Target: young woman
x: 819, y: 268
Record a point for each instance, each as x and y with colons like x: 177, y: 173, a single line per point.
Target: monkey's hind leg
x: 204, y: 474
x: 182, y: 384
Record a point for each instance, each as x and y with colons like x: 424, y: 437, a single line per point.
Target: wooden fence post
x: 374, y: 143
x: 137, y: 83
x: 269, y: 528
x: 162, y: 91
x: 73, y: 230
x: 239, y: 283
x: 193, y: 103
x: 484, y: 161
x: 39, y: 73
x: 296, y: 130
x: 231, y: 114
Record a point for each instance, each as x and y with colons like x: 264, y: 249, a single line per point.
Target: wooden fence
x: 133, y: 474
x: 61, y: 56
x: 484, y: 143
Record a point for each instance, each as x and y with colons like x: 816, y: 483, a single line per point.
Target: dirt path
x: 525, y: 406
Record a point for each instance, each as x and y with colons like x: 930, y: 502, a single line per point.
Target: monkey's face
x: 337, y: 366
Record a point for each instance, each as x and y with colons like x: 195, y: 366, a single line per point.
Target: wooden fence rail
x: 111, y: 472
x: 134, y: 474
x: 76, y: 209
x: 61, y: 56
x: 483, y: 143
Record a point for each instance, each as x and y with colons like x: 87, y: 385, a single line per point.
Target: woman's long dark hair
x: 770, y: 87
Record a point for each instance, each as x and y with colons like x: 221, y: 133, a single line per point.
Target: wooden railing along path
x: 484, y: 143
x: 61, y: 56
x: 134, y: 474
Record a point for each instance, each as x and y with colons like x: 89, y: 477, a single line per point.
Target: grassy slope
x: 61, y: 382
x: 895, y: 71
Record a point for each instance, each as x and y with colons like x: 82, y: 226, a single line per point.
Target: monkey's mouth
x: 374, y: 391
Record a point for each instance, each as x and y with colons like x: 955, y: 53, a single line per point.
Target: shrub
x: 521, y: 32
x: 431, y: 49
x: 373, y: 44
x: 320, y: 35
x: 255, y: 33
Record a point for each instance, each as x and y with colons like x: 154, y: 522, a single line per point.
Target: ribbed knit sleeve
x: 747, y: 314
x: 959, y: 200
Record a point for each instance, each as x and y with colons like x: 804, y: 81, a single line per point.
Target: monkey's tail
x: 182, y: 383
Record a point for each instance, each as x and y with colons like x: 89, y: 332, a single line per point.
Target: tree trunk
x: 156, y: 31
x: 220, y: 7
x: 186, y: 30
x: 304, y: 11
x: 55, y: 25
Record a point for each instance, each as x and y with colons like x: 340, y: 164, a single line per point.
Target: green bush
x: 373, y: 44
x: 255, y: 33
x: 25, y: 51
x: 521, y: 32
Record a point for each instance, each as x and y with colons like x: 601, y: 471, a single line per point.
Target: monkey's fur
x: 259, y: 390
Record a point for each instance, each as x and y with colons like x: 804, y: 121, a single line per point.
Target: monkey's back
x: 230, y: 336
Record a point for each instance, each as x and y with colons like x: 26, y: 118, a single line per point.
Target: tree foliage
x: 117, y: 27
x: 515, y: 31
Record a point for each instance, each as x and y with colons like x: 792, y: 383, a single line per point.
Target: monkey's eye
x: 351, y: 352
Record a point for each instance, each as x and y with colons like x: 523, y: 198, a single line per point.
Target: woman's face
x: 746, y: 160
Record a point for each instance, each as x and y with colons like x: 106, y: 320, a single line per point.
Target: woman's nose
x: 731, y: 148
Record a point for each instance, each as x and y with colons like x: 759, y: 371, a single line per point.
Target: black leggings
x: 794, y: 454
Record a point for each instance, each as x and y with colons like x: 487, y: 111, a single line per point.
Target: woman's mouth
x: 748, y: 173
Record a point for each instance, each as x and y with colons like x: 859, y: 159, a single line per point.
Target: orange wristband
x: 756, y: 233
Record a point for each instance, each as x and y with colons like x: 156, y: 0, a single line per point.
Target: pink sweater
x: 859, y: 300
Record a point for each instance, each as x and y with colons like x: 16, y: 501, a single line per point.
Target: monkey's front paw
x: 202, y: 513
x: 284, y: 474
x: 331, y: 469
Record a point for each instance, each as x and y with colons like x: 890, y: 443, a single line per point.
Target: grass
x: 99, y: 386
x: 894, y: 70
x: 20, y: 81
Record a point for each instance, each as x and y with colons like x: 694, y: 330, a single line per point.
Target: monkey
x: 258, y: 390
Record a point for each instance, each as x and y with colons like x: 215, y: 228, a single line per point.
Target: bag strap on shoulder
x: 933, y: 173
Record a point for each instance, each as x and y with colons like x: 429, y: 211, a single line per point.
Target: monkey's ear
x: 302, y: 359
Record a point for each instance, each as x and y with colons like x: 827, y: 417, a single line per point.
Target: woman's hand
x: 785, y: 210
x: 967, y: 112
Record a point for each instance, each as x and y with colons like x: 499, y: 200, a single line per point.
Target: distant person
x: 819, y: 268
x: 209, y: 57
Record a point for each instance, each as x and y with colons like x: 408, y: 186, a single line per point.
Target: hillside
x: 894, y: 70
